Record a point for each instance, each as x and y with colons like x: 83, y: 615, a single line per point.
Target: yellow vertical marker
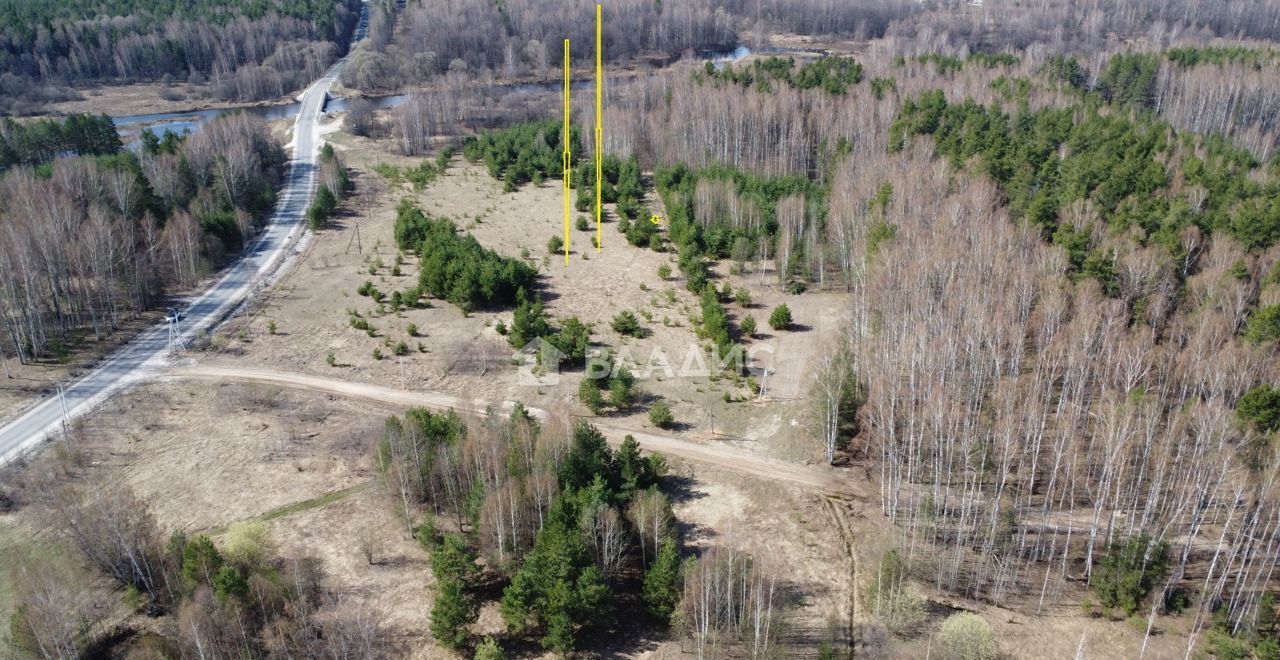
x: 564, y: 138
x: 599, y: 124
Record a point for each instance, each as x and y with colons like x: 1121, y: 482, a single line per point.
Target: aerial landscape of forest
x: 640, y: 329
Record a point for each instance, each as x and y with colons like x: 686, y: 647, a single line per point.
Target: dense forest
x: 89, y: 240
x: 514, y: 38
x: 245, y: 50
x: 38, y: 142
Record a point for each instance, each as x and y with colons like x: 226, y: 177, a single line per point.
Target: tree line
x: 248, y: 50
x: 519, y: 38
x: 1113, y: 170
x: 834, y: 75
x: 334, y: 185
x: 525, y: 152
x: 38, y: 142
x: 88, y: 241
x: 1064, y: 27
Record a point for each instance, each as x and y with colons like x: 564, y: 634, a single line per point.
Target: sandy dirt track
x: 725, y: 457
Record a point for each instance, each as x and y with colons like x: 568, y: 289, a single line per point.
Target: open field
x: 466, y: 355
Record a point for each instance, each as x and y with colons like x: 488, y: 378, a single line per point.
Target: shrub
x: 626, y: 323
x: 1128, y: 571
x: 620, y: 391
x: 780, y: 319
x: 966, y: 636
x: 887, y: 596
x: 402, y: 348
x: 377, y: 354
x: 1267, y: 648
x: 271, y: 327
x: 489, y: 650
x: 1260, y: 406
x: 748, y: 326
x: 330, y: 360
x: 664, y: 271
x: 412, y: 329
x: 581, y: 223
x: 589, y: 395
x: 361, y: 324
x: 655, y: 242
x: 1226, y: 647
x: 715, y: 321
x: 572, y: 340
x: 555, y: 245
x: 248, y: 545
x: 325, y: 204
x: 660, y: 415
x: 1264, y: 325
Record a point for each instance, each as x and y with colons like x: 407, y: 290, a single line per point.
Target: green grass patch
x: 304, y: 505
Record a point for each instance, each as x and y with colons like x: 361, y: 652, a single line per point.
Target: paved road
x: 146, y: 353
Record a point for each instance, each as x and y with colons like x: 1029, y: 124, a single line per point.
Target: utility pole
x: 66, y: 414
x: 176, y: 345
x: 356, y: 239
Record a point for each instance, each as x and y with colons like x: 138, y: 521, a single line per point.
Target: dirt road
x: 824, y: 479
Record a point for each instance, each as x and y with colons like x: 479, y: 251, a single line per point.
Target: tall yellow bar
x: 599, y: 124
x: 564, y: 138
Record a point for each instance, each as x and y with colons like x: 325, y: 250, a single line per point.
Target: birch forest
x: 90, y: 241
x: 1064, y: 275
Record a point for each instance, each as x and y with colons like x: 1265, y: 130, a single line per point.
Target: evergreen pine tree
x: 662, y: 582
